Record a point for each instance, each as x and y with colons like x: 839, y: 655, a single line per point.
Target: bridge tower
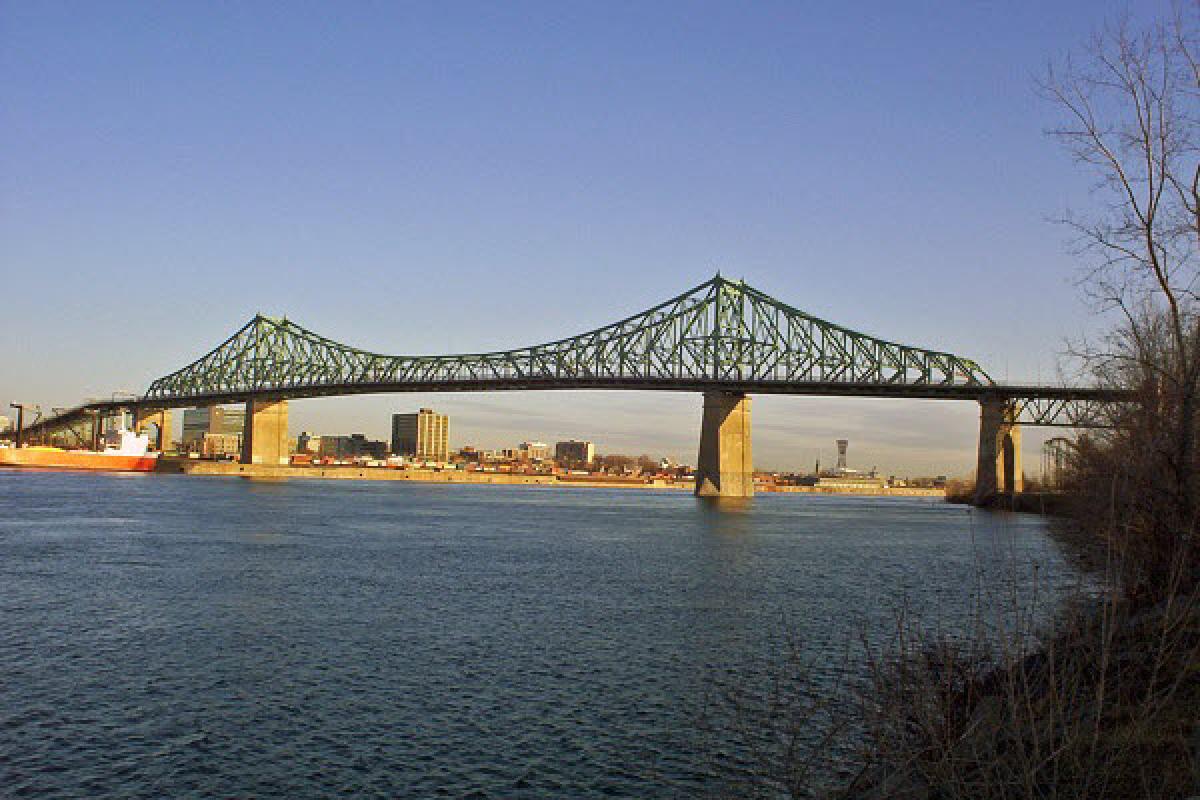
x: 725, y: 467
x: 999, y: 468
x: 265, y: 435
x: 159, y: 418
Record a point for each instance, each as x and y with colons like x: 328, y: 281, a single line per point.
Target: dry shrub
x: 1104, y: 707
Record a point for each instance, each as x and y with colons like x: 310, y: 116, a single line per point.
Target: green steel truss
x: 1075, y: 409
x: 721, y: 334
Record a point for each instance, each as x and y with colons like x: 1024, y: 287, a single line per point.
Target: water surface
x: 170, y: 636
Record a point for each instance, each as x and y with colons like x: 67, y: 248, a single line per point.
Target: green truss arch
x: 720, y: 334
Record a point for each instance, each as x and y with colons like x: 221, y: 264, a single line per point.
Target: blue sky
x: 457, y: 177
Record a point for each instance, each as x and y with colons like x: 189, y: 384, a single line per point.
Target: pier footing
x: 265, y: 436
x: 999, y: 468
x: 725, y: 467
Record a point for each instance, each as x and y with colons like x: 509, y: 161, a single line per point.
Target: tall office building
x: 216, y: 420
x: 424, y: 435
x: 574, y: 452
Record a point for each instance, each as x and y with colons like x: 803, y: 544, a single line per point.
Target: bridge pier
x: 265, y: 435
x: 999, y: 467
x: 725, y: 467
x: 161, y: 418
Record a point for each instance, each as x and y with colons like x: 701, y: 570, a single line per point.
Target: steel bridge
x: 723, y: 337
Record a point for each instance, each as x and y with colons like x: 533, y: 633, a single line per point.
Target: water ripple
x: 172, y: 637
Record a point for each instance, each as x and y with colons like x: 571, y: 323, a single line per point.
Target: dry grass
x: 1105, y: 707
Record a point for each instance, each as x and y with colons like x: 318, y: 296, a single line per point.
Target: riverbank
x: 1053, y: 504
x: 342, y: 472
x: 1108, y: 696
x: 188, y: 466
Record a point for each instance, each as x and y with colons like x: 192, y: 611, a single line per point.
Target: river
x: 171, y: 636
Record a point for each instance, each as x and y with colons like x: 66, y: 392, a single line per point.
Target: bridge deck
x: 1017, y: 392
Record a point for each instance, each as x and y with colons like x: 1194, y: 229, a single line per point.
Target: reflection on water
x: 721, y: 506
x: 172, y: 636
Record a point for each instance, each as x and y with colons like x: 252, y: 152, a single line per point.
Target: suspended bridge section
x: 723, y: 338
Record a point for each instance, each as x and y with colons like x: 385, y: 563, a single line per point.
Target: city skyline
x: 487, y: 437
x: 196, y: 422
x: 620, y: 165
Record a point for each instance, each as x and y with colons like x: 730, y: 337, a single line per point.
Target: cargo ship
x: 128, y: 452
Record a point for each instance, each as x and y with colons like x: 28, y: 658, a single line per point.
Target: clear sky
x: 448, y: 177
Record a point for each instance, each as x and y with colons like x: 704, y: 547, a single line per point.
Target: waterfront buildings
x: 844, y: 477
x: 308, y: 443
x: 220, y: 445
x: 356, y: 445
x: 424, y: 435
x: 224, y: 423
x: 851, y: 480
x: 574, y: 452
x: 534, y: 451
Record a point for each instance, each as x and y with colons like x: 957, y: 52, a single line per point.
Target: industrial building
x: 356, y: 445
x: 843, y: 477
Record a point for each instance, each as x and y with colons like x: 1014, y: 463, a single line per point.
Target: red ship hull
x: 53, y: 458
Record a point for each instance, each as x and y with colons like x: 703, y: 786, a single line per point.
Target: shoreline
x: 179, y: 466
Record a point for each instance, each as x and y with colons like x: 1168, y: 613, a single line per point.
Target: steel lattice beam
x: 721, y: 331
x: 1070, y: 412
x: 721, y: 335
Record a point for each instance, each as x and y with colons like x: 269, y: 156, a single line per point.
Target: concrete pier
x: 999, y: 467
x: 161, y: 419
x: 265, y: 437
x: 725, y: 467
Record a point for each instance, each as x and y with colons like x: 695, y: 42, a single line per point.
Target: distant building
x: 534, y: 451
x: 217, y: 420
x: 842, y: 444
x: 574, y: 452
x: 308, y: 443
x: 6, y: 424
x: 469, y: 455
x: 195, y: 425
x: 116, y: 421
x: 851, y: 480
x: 221, y: 444
x: 424, y: 435
x: 356, y: 445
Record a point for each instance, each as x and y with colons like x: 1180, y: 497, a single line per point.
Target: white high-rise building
x: 424, y: 435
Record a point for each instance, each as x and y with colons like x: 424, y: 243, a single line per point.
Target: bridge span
x: 723, y: 338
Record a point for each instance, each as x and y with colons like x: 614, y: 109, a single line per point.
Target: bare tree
x: 1130, y: 113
